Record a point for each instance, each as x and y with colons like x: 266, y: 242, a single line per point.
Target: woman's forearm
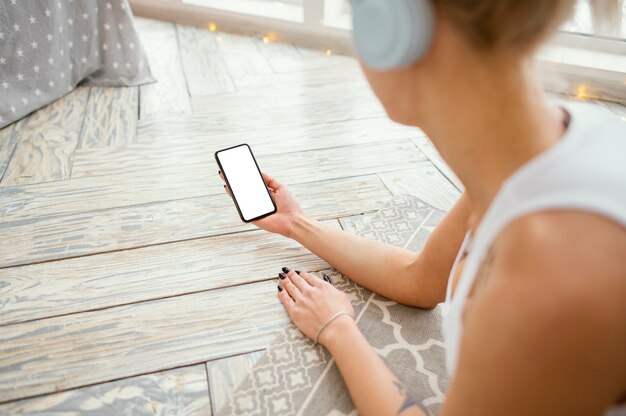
x: 416, y: 279
x: 382, y: 268
x: 373, y: 387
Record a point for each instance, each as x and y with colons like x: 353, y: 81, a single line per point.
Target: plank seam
x: 180, y: 60
x: 81, y: 134
x: 13, y: 134
x: 208, y: 388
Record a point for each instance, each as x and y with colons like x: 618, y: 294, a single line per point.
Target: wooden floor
x: 127, y: 280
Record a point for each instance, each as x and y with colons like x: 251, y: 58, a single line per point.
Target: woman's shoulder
x: 551, y: 312
x: 568, y: 249
x: 562, y: 264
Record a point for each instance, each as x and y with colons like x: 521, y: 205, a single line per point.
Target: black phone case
x: 217, y: 159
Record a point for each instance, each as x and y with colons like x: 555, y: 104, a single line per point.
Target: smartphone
x: 243, y: 177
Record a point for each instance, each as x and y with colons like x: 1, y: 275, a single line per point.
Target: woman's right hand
x: 288, y: 209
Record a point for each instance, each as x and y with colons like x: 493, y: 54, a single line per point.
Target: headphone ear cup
x: 392, y: 34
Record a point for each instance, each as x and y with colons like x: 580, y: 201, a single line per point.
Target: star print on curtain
x: 47, y: 47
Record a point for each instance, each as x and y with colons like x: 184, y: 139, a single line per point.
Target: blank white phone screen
x: 246, y: 182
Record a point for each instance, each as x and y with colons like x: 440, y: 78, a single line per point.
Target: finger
x: 271, y: 182
x: 285, y: 299
x: 300, y: 283
x: 227, y: 189
x: 219, y: 172
x: 310, y: 279
x: 290, y: 287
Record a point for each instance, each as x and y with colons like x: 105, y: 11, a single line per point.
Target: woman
x: 537, y: 321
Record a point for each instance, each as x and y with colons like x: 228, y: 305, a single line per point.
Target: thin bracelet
x: 335, y: 316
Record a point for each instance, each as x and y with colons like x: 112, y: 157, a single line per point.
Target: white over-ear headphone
x: 391, y: 34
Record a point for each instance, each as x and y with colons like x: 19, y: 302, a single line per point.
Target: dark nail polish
x: 327, y: 278
x: 219, y: 172
x: 224, y: 186
x: 285, y: 269
x: 298, y: 272
x: 280, y: 288
x: 282, y: 276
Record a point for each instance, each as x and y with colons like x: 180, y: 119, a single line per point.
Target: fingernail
x: 285, y: 269
x: 219, y: 172
x: 224, y: 186
x: 282, y: 276
x: 327, y: 278
x: 298, y: 272
x: 280, y: 288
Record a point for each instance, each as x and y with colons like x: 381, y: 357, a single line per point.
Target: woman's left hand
x: 311, y: 302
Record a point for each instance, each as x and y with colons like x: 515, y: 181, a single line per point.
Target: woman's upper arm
x: 431, y: 267
x: 543, y: 335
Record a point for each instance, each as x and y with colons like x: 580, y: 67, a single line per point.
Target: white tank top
x: 585, y: 170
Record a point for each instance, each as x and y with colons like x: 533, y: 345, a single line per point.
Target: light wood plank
x: 230, y: 123
x: 274, y: 111
x: 8, y: 141
x: 47, y: 140
x: 42, y: 356
x: 169, y: 94
x: 424, y: 182
x: 241, y: 55
x: 211, y: 118
x: 203, y: 65
x: 281, y: 99
x: 227, y: 374
x: 110, y: 117
x: 431, y: 152
x: 284, y: 57
x: 199, y: 178
x: 123, y: 228
x: 301, y: 79
x: 86, y: 283
x: 158, y: 151
x: 182, y: 391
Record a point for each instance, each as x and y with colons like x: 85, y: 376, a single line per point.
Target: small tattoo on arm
x: 409, y: 401
x: 485, y: 269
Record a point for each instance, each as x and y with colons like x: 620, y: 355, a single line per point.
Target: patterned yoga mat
x: 296, y: 377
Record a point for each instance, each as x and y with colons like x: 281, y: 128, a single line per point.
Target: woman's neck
x: 494, y: 123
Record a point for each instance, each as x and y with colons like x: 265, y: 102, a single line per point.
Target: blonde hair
x: 522, y: 24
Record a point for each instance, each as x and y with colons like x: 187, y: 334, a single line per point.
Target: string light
x: 219, y: 38
x: 270, y: 37
x: 329, y: 52
x: 582, y: 93
x: 212, y: 27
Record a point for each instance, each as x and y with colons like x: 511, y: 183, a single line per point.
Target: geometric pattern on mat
x: 296, y: 377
